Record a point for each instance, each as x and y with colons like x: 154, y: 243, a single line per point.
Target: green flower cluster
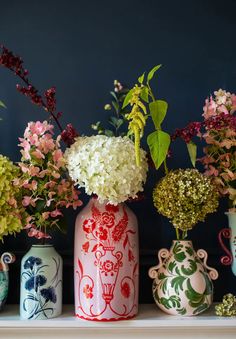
x: 10, y: 213
x: 185, y: 196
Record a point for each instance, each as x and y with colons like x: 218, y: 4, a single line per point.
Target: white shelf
x: 150, y: 323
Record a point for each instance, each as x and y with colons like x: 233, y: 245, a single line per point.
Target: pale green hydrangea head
x: 10, y: 213
x: 185, y: 196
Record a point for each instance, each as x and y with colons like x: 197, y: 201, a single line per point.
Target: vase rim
x: 230, y: 212
x: 182, y: 240
x: 42, y: 245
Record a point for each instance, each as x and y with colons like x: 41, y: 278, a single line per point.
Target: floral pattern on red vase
x: 106, y: 262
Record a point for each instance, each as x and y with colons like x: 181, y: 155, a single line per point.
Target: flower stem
x: 177, y: 233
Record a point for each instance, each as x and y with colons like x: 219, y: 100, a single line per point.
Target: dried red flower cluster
x: 188, y: 132
x: 69, y: 134
x: 216, y: 122
x: 48, y: 102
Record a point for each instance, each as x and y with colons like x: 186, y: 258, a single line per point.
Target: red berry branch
x: 47, y: 102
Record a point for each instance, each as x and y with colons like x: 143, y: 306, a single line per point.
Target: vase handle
x: 226, y: 259
x: 162, y: 254
x: 202, y: 254
x: 6, y: 259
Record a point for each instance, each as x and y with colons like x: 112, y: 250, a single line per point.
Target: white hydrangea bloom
x: 106, y: 166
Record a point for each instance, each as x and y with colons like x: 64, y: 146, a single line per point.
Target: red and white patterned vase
x: 106, y: 266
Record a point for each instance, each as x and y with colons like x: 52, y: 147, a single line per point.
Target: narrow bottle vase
x: 41, y: 283
x: 106, y: 262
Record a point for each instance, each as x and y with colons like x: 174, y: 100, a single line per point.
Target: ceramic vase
x: 106, y: 262
x: 182, y: 284
x: 229, y: 233
x: 41, y: 283
x: 5, y: 260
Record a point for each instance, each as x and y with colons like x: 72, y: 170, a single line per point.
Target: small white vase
x: 41, y: 283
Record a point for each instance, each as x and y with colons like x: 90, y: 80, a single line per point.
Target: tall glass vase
x: 41, y: 283
x: 106, y: 262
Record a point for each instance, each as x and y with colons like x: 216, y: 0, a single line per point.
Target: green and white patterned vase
x: 41, y: 283
x: 6, y: 259
x: 182, y: 281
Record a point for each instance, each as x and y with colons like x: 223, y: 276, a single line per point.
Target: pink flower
x: 212, y: 171
x: 33, y: 139
x: 58, y: 158
x: 45, y: 215
x: 34, y: 171
x: 28, y: 201
x: 33, y: 232
x: 209, y: 109
x: 23, y: 167
x: 46, y: 145
x: 55, y: 213
x: 39, y: 127
x: 38, y: 154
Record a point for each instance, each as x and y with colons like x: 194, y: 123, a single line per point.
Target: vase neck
x: 184, y: 242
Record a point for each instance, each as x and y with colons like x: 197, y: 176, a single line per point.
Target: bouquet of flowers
x: 106, y: 166
x: 219, y: 132
x: 185, y: 197
x: 11, y: 213
x: 43, y: 180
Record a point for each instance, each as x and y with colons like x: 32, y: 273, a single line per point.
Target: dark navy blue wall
x: 81, y: 47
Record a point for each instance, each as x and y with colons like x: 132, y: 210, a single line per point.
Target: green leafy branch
x: 117, y: 118
x: 144, y: 105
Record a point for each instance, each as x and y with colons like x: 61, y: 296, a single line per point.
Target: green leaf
x: 109, y: 133
x: 144, y: 94
x: 177, y: 283
x: 171, y: 266
x: 152, y: 72
x: 127, y: 98
x: 2, y: 104
x: 182, y: 311
x: 195, y: 298
x: 192, y: 150
x: 114, y: 121
x: 40, y: 205
x: 158, y: 111
x: 158, y: 143
x: 189, y: 250
x: 141, y: 78
x: 201, y: 308
x: 114, y: 95
x: 116, y: 106
x: 191, y: 269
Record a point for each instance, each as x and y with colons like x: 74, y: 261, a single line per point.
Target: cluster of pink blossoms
x: 218, y: 129
x: 44, y: 183
x: 220, y: 135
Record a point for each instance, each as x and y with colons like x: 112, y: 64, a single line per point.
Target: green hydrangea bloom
x: 10, y: 213
x: 185, y: 197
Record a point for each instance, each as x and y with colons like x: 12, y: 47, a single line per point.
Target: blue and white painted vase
x: 229, y: 233
x: 6, y: 258
x: 41, y: 283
